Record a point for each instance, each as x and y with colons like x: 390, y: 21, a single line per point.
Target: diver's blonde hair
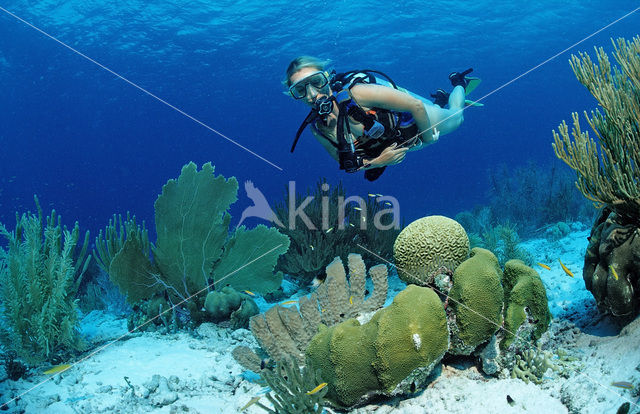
x: 304, y: 62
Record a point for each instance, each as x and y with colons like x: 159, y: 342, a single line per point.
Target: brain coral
x: 426, y: 244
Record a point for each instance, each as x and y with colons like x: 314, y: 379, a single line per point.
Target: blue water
x: 90, y: 145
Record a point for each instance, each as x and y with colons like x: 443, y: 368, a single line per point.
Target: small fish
x: 250, y: 403
x: 289, y: 302
x: 387, y: 203
x: 248, y: 292
x: 623, y: 384
x: 357, y: 209
x: 250, y: 376
x: 58, y: 368
x: 544, y: 266
x: 371, y: 195
x: 351, y: 224
x: 351, y: 300
x: 379, y: 195
x: 312, y: 248
x: 613, y: 272
x: 316, y: 389
x: 329, y: 230
x: 566, y: 270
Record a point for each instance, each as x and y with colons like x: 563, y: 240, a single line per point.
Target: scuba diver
x: 368, y: 123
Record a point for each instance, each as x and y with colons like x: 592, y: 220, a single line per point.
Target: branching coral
x: 39, y: 277
x: 292, y: 389
x: 322, y: 226
x: 608, y: 171
x: 532, y: 365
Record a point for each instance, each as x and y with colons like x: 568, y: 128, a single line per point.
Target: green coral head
x: 526, y: 299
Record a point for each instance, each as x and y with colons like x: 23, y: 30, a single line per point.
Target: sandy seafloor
x: 195, y: 373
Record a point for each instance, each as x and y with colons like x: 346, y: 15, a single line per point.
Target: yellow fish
x: 357, y: 209
x: 316, y: 389
x: 613, y: 272
x: 289, y: 302
x: 248, y: 292
x: 371, y: 195
x: 311, y: 245
x: 351, y: 224
x: 58, y: 368
x: 250, y: 403
x: 386, y: 203
x: 544, y: 266
x: 351, y: 299
x: 566, y: 270
x: 329, y: 230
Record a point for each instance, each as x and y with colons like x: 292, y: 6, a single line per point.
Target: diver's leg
x: 447, y: 120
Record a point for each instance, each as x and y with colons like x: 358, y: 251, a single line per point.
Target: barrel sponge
x: 476, y: 301
x: 525, y: 298
x: 426, y: 244
x: 375, y: 357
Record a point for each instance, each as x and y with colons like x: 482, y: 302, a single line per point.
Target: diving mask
x: 317, y: 80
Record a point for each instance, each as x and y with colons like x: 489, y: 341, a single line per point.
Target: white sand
x: 195, y: 373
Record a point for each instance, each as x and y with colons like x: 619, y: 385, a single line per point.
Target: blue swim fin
x: 472, y: 83
x: 470, y: 102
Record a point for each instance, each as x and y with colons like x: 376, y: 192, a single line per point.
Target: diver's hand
x: 390, y: 156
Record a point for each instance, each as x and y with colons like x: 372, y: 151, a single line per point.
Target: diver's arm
x: 391, y: 155
x: 370, y: 96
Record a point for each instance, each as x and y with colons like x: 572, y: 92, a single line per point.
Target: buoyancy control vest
x: 382, y: 127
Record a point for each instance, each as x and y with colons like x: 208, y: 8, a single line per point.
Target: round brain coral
x: 426, y: 244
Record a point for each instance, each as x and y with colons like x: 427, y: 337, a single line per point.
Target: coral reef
x: 477, y: 300
x: 533, y: 196
x: 426, y: 244
x: 40, y: 272
x: 291, y: 387
x: 194, y: 252
x: 322, y: 226
x: 357, y: 360
x: 608, y: 173
x: 13, y: 368
x: 229, y: 304
x: 395, y: 350
x: 286, y: 331
x: 526, y: 307
x: 612, y: 265
x: 532, y: 365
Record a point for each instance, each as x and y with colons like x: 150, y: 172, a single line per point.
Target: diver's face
x: 310, y: 83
